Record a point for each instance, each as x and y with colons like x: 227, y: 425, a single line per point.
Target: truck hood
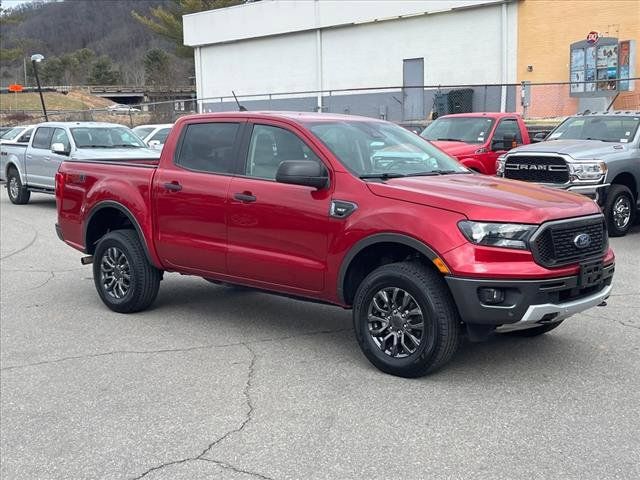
x: 457, y: 149
x: 577, y: 149
x: 115, y: 154
x: 484, y: 198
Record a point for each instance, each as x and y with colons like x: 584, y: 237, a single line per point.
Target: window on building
x: 208, y: 147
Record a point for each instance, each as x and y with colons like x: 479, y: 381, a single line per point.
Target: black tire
x: 535, y: 331
x: 18, y: 193
x: 144, y: 278
x: 441, y: 331
x: 615, y: 195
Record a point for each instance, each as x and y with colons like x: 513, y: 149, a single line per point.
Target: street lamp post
x: 35, y: 59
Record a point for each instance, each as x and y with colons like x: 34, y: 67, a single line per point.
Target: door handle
x: 173, y: 186
x: 245, y: 197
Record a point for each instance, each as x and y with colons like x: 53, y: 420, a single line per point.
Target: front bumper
x: 528, y: 302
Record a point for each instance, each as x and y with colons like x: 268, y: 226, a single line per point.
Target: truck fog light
x: 491, y: 296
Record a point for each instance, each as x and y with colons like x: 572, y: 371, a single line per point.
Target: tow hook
x: 603, y: 304
x: 86, y: 260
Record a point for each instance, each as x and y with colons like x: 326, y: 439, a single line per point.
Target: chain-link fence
x: 539, y: 103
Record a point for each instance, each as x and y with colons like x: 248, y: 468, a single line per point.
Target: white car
x: 122, y: 108
x: 154, y: 135
x: 21, y: 134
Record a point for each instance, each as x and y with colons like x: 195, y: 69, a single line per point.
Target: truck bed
x: 81, y: 185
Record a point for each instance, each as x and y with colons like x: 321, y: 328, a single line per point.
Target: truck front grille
x: 555, y: 243
x: 536, y: 169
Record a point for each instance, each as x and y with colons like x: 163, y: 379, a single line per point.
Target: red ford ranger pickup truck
x: 477, y: 139
x: 302, y: 204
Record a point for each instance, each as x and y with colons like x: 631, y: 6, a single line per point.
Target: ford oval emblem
x: 583, y: 240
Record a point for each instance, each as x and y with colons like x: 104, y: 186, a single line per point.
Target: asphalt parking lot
x: 222, y: 384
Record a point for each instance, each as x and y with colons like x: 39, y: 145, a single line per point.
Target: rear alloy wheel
x: 405, y: 320
x: 18, y: 194
x: 619, y: 210
x: 124, y: 278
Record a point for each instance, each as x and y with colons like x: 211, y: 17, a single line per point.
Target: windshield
x: 13, y: 133
x: 459, y: 129
x: 106, y: 137
x: 143, y: 131
x: 603, y: 128
x: 381, y: 149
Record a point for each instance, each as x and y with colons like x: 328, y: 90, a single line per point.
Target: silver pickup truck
x: 32, y: 167
x: 595, y: 154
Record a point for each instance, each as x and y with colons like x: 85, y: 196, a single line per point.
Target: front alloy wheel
x: 396, y: 322
x: 622, y: 212
x: 405, y: 320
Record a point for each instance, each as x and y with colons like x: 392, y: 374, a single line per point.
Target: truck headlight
x: 506, y: 235
x: 500, y: 165
x: 588, y: 170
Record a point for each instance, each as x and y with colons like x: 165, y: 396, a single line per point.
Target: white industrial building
x: 266, y: 50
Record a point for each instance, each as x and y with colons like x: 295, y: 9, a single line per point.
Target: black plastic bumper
x: 520, y: 295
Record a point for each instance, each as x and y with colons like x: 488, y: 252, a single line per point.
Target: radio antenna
x: 240, y: 107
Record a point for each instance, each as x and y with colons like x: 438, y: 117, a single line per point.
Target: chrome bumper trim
x: 535, y: 313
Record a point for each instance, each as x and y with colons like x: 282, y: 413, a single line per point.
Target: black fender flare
x: 421, y: 247
x: 126, y: 212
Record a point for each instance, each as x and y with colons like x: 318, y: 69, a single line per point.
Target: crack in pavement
x: 168, y: 350
x: 51, y: 277
x: 22, y: 249
x: 236, y: 469
x: 246, y: 392
x: 637, y: 327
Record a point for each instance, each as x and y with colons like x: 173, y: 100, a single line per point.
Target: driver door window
x: 271, y: 146
x: 508, y: 126
x: 60, y: 136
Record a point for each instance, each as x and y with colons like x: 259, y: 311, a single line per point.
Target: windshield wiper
x: 383, y: 176
x: 437, y: 172
x: 448, y: 140
x: 126, y: 145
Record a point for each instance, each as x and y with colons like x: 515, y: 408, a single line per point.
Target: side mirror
x: 59, y: 148
x: 539, y: 137
x: 303, y: 172
x: 154, y: 144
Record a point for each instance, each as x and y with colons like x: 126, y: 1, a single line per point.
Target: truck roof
x: 80, y: 124
x: 295, y: 116
x: 613, y: 113
x: 494, y: 115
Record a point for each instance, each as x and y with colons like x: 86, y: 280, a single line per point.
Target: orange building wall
x: 546, y: 29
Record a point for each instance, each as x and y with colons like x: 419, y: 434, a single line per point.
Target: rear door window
x: 42, y: 138
x: 209, y: 147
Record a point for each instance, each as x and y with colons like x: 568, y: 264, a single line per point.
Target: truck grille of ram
x: 536, y: 169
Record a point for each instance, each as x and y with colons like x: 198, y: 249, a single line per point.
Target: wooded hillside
x: 88, y: 41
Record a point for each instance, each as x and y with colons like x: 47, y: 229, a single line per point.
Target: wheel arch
x: 102, y: 219
x: 12, y: 163
x: 627, y: 179
x: 382, y: 243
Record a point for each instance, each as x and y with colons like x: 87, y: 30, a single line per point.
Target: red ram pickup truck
x: 303, y: 204
x: 477, y: 139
